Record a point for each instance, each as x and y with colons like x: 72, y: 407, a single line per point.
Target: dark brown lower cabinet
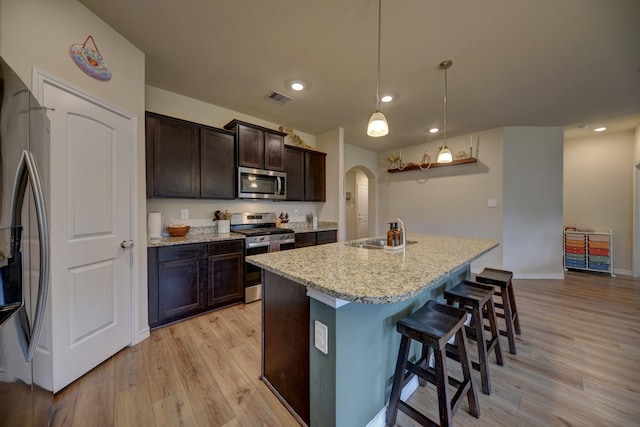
x: 186, y: 280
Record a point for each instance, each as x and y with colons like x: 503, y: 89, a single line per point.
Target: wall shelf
x: 415, y: 167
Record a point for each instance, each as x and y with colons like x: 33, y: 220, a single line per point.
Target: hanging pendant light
x: 444, y: 156
x: 378, y: 125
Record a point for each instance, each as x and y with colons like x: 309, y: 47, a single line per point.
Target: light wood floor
x: 578, y: 364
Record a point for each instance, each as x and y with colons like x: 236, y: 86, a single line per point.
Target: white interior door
x: 90, y: 217
x: 363, y: 210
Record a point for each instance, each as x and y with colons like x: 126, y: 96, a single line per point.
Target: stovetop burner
x: 256, y: 224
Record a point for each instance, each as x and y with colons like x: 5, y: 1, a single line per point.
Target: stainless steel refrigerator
x: 24, y: 252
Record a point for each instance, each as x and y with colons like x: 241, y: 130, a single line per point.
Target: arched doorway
x: 360, y: 203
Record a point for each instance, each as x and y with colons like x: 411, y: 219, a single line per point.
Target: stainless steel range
x: 261, y: 236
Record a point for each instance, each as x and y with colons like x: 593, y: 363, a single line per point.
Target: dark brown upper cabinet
x: 294, y: 162
x: 258, y: 147
x: 188, y: 160
x: 306, y: 174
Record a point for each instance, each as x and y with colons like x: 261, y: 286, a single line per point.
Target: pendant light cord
x: 379, y: 37
x: 445, y: 106
x: 445, y: 65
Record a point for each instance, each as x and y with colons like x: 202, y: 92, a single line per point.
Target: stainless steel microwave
x: 261, y: 184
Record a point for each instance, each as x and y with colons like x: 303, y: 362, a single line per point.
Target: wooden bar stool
x: 502, y: 280
x: 433, y: 325
x: 477, y: 299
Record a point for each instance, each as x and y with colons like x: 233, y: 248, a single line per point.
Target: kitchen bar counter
x: 208, y: 234
x: 329, y: 313
x: 375, y: 276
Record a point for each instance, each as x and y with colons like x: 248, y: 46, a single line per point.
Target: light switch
x: 321, y: 337
x: 492, y: 203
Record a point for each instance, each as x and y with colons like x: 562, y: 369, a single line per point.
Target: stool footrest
x: 413, y: 413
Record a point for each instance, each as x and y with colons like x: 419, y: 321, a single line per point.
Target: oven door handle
x: 287, y: 241
x: 257, y: 245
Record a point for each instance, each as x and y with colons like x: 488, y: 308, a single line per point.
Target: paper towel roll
x: 154, y: 225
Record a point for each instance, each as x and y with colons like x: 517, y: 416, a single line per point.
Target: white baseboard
x: 539, y: 276
x: 380, y: 419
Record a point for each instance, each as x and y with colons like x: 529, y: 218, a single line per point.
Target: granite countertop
x: 375, y: 276
x: 208, y: 234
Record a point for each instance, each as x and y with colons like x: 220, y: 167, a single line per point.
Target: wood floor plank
x: 133, y: 407
x: 95, y: 405
x: 577, y: 364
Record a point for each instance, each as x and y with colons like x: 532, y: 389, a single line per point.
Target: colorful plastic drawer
x: 599, y: 258
x: 577, y: 257
x: 576, y: 264
x: 573, y: 236
x: 599, y: 266
x: 574, y: 250
x: 602, y: 245
x: 599, y: 237
x: 598, y: 251
x: 575, y: 243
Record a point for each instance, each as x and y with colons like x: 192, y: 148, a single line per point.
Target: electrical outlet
x: 184, y: 213
x: 321, y: 337
x: 296, y: 212
x: 492, y: 203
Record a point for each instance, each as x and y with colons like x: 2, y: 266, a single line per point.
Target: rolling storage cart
x: 589, y: 250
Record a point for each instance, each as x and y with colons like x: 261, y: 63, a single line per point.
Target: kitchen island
x: 359, y: 295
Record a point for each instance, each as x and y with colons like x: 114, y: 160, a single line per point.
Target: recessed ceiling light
x: 297, y: 86
x: 386, y: 98
x: 600, y: 129
x: 433, y: 130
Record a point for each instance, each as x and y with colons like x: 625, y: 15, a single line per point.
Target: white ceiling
x: 515, y: 62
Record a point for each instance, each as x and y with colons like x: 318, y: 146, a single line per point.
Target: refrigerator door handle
x: 28, y: 172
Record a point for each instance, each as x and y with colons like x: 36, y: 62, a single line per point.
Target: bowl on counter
x: 178, y: 230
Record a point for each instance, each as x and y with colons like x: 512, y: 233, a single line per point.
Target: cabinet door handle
x: 126, y: 244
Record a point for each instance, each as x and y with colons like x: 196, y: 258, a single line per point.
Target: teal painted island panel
x: 351, y: 385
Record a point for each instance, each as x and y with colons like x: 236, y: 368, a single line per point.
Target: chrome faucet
x: 404, y: 233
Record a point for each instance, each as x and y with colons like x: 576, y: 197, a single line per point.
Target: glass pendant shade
x: 444, y: 156
x: 378, y: 125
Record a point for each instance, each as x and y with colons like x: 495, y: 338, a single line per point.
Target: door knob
x: 126, y: 244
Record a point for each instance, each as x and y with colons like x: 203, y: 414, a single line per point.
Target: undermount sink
x: 373, y: 243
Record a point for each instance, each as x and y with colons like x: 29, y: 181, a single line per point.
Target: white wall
x: 333, y: 209
x: 447, y: 200
x: 532, y: 201
x: 598, y: 189
x: 201, y: 211
x: 38, y: 33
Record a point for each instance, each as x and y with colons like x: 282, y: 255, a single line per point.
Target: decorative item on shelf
x: 294, y: 137
x: 426, y: 161
x: 394, y: 161
x: 178, y: 230
x: 401, y: 164
x: 444, y: 156
x: 90, y: 60
x: 378, y: 125
x: 462, y: 155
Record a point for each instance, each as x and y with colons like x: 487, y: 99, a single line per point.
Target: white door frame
x: 39, y: 79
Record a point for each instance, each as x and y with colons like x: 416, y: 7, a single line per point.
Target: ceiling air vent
x: 278, y: 97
